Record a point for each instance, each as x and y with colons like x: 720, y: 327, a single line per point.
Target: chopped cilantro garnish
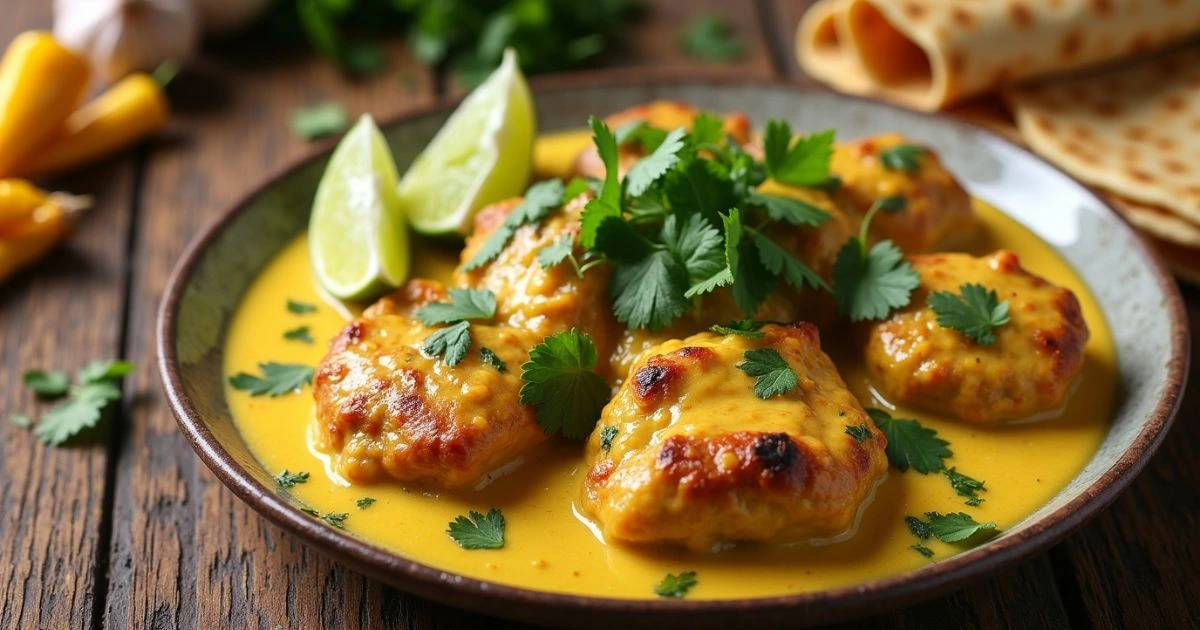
x: 540, y: 200
x: 909, y: 444
x: 772, y: 374
x: 710, y: 38
x: 100, y: 371
x: 974, y: 314
x: 51, y: 384
x: 277, y: 379
x: 965, y: 486
x: 492, y: 359
x: 917, y: 527
x: 802, y: 161
x: 300, y: 308
x: 959, y: 527
x: 652, y: 167
x: 300, y: 333
x: 859, y: 432
x: 642, y: 133
x: 311, y: 512
x: 288, y: 479
x: 782, y: 263
x: 922, y: 549
x: 556, y: 252
x: 902, y: 157
x: 464, y: 304
x: 676, y: 586
x: 364, y: 503
x: 747, y: 328
x: 478, y: 531
x: 337, y: 519
x: 94, y: 390
x: 561, y: 384
x: 449, y: 343
x: 607, y: 435
x: 869, y: 283
x: 791, y: 210
x: 608, y: 201
x: 650, y: 293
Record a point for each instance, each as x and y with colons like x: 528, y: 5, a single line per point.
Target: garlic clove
x: 124, y: 36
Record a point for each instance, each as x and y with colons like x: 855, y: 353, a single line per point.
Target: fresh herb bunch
x: 468, y: 35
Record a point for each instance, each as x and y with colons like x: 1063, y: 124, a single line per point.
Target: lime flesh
x: 482, y: 154
x: 358, y: 239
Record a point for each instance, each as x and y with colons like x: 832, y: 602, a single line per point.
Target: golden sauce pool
x: 548, y: 547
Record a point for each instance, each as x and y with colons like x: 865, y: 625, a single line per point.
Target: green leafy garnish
x: 640, y: 132
x: 311, y: 512
x: 922, y: 549
x: 747, y: 328
x: 802, y: 161
x: 20, y: 420
x: 710, y: 38
x: 464, y: 304
x: 782, y: 263
x: 540, y: 200
x: 959, y: 527
x: 860, y: 432
x: 975, y: 314
x: 772, y: 374
x: 791, y: 210
x: 300, y: 308
x: 319, y: 121
x: 556, y: 252
x: 917, y: 527
x: 449, y: 343
x: 51, y: 384
x: 287, y: 479
x: 652, y: 167
x: 478, y: 531
x: 649, y: 294
x: 607, y: 435
x: 869, y: 283
x: 300, y: 333
x: 561, y: 383
x: 101, y: 371
x: 492, y: 359
x: 277, y: 379
x: 337, y: 519
x: 910, y: 444
x: 965, y: 486
x: 364, y: 503
x: 902, y: 157
x: 676, y: 586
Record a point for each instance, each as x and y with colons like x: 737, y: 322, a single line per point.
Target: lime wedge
x: 358, y: 240
x: 482, y: 154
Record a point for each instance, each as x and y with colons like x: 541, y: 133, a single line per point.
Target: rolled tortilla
x: 931, y: 53
x: 825, y: 50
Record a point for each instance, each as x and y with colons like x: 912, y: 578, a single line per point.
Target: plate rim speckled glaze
x: 576, y: 610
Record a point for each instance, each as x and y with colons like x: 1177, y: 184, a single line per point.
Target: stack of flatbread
x: 1107, y: 89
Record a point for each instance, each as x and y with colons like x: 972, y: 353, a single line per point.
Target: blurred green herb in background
x: 468, y: 36
x: 710, y: 38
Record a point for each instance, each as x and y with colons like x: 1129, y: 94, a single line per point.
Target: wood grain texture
x: 60, y: 313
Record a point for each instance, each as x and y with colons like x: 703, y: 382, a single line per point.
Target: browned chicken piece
x: 698, y: 459
x: 937, y: 210
x: 385, y: 409
x: 665, y: 115
x: 543, y: 301
x: 1029, y: 368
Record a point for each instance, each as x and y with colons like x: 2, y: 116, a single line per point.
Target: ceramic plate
x: 1139, y: 298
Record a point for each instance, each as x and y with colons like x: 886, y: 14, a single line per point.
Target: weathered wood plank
x: 185, y: 552
x: 654, y: 41
x: 60, y: 313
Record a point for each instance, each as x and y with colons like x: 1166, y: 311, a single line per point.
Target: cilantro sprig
x: 910, y: 444
x: 902, y: 157
x: 451, y: 342
x: 675, y: 586
x: 560, y: 382
x: 959, y: 527
x: 277, y: 379
x: 868, y: 283
x: 772, y: 374
x: 975, y: 313
x: 540, y: 200
x: 478, y: 531
x: 96, y: 387
x: 799, y: 161
x: 965, y: 486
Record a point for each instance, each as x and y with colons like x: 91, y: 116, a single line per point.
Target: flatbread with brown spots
x: 929, y: 54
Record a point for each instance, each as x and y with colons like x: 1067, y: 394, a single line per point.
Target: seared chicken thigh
x: 687, y: 453
x: 1028, y: 369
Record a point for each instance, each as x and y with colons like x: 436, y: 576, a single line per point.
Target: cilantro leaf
x: 277, y: 379
x: 478, y: 531
x: 782, y: 263
x: 911, y: 444
x: 650, y: 293
x: 959, y: 527
x: 449, y: 343
x: 71, y: 417
x: 298, y: 334
x: 607, y: 435
x: 892, y: 204
x: 965, y: 486
x: 318, y: 121
x: 794, y: 211
x: 699, y: 187
x: 94, y: 390
x: 710, y: 38
x: 300, y: 308
x: 608, y: 201
x: 676, y: 586
x: 561, y: 384
x: 974, y: 314
x: 464, y: 304
x: 652, y: 167
x: 493, y: 359
x: 52, y: 384
x: 99, y: 371
x: 556, y: 252
x: 917, y: 527
x: 577, y: 186
x: 804, y: 162
x: 708, y: 130
x: 641, y: 132
x: 287, y: 479
x: 540, y: 200
x: 336, y: 519
x: 772, y: 374
x: 747, y: 328
x: 870, y: 286
x: 20, y: 420
x: 902, y: 157
x: 922, y: 549
x: 695, y: 244
x: 364, y: 503
x: 859, y: 432
x: 619, y: 241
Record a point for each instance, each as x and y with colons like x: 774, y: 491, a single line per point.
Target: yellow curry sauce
x: 549, y: 547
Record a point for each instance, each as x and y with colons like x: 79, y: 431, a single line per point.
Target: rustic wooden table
x: 133, y: 532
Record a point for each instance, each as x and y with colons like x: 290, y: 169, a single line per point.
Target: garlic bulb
x: 225, y: 16
x: 123, y: 36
